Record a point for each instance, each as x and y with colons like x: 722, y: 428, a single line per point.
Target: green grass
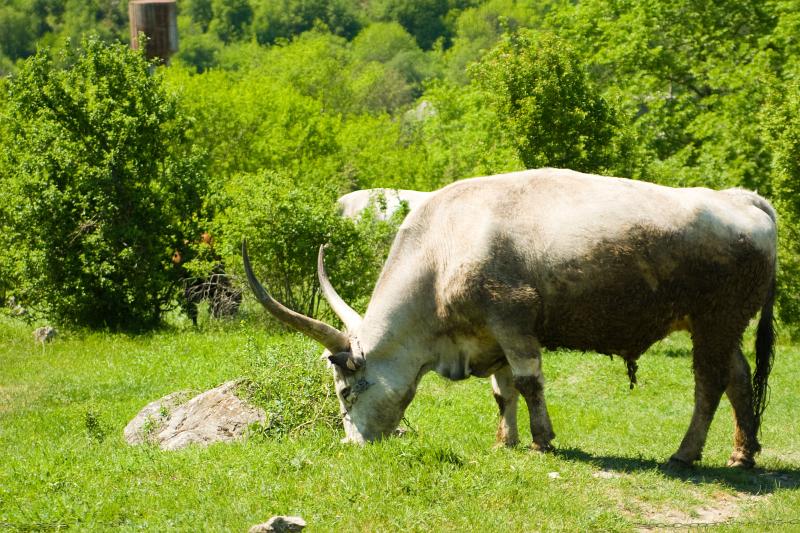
x: 63, y: 460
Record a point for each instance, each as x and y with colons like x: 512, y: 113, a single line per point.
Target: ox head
x: 372, y: 395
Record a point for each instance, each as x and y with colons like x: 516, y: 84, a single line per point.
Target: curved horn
x: 330, y: 337
x: 348, y: 315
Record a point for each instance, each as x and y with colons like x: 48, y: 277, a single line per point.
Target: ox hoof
x: 741, y: 461
x: 500, y: 444
x: 543, y: 448
x: 677, y: 464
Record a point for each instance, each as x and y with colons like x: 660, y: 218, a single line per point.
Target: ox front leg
x: 507, y: 398
x: 524, y: 357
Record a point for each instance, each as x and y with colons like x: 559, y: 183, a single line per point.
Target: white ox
x: 385, y: 202
x: 489, y: 270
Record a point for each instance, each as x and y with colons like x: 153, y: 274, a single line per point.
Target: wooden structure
x: 158, y: 20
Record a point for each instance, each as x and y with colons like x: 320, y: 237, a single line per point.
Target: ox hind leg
x: 740, y: 394
x: 507, y: 398
x: 524, y: 358
x: 712, y: 362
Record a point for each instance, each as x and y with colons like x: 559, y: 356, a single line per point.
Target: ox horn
x: 346, y: 313
x: 330, y: 337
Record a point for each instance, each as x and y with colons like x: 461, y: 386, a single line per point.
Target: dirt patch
x: 723, y: 508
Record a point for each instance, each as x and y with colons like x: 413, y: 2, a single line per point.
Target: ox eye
x: 345, y: 392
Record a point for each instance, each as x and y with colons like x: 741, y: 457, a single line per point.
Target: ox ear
x: 345, y: 361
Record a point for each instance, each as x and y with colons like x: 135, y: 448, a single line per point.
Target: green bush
x: 285, y: 225
x: 554, y: 115
x: 781, y: 121
x: 287, y: 378
x: 99, y: 187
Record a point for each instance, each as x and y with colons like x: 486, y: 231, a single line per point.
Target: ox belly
x: 459, y: 356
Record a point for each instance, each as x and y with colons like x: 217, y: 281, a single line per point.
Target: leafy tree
x: 285, y: 19
x: 99, y: 187
x: 16, y: 33
x: 382, y: 41
x: 554, y: 115
x: 106, y: 18
x: 231, y: 19
x: 316, y: 64
x: 693, y: 75
x: 201, y: 12
x: 462, y: 134
x: 200, y: 51
x: 391, y: 45
x: 477, y: 29
x: 781, y: 122
x: 251, y: 121
x: 424, y: 19
x: 378, y: 88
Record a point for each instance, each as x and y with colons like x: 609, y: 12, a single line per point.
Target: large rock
x: 213, y: 416
x: 152, y: 418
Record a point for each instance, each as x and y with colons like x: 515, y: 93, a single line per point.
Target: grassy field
x: 64, y: 464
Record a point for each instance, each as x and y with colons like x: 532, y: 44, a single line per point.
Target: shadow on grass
x: 754, y: 481
x: 675, y: 351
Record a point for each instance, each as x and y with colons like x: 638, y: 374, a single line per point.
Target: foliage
x: 287, y: 378
x: 424, y: 19
x: 395, y: 49
x: 284, y: 226
x: 781, y: 120
x: 17, y: 38
x: 463, y: 134
x: 231, y: 19
x: 287, y: 18
x: 692, y: 73
x: 477, y: 29
x: 379, y: 93
x: 251, y: 121
x: 201, y: 12
x: 199, y: 51
x: 553, y: 114
x: 99, y: 187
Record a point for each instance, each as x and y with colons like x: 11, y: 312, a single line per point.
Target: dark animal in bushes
x: 216, y: 287
x: 489, y: 270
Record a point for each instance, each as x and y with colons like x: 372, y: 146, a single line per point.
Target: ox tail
x: 765, y: 354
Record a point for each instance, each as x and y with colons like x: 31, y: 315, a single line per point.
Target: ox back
x: 589, y: 263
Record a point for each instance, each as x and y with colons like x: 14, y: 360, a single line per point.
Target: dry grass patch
x: 721, y: 508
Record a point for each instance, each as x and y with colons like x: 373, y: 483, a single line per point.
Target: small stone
x: 280, y: 524
x: 554, y: 475
x: 44, y: 334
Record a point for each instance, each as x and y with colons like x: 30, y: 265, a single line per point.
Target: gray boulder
x: 217, y: 415
x: 152, y: 418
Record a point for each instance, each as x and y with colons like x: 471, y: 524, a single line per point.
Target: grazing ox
x: 490, y: 270
x: 385, y: 202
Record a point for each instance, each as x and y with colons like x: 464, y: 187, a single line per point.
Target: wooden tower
x: 158, y: 20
